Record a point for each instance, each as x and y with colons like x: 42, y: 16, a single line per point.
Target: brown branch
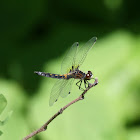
x: 44, y: 127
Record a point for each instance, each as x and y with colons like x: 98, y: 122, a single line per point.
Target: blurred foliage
x: 35, y: 35
x: 3, y: 103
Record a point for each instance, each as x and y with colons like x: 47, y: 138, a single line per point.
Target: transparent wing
x: 83, y: 51
x: 56, y: 90
x: 69, y: 59
x: 68, y: 85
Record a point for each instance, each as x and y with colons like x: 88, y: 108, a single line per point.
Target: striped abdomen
x: 58, y: 76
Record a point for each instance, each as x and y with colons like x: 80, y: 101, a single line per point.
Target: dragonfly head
x: 89, y: 75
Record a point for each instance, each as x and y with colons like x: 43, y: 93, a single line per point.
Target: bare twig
x: 44, y: 127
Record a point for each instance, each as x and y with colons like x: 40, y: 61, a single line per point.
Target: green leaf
x: 6, y: 119
x: 3, y: 103
x: 1, y: 133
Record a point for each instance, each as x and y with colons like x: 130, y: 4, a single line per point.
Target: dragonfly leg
x: 88, y: 83
x: 80, y: 85
x: 85, y: 82
x: 80, y: 81
x: 77, y: 83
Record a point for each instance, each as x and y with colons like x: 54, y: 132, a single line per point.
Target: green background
x: 35, y: 35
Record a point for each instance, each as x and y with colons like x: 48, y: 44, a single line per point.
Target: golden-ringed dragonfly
x: 70, y: 71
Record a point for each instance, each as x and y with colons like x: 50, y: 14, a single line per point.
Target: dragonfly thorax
x: 78, y: 74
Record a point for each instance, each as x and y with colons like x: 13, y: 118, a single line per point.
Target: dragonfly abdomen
x: 58, y: 76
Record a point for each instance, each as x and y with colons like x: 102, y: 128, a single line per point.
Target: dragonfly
x: 70, y: 71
